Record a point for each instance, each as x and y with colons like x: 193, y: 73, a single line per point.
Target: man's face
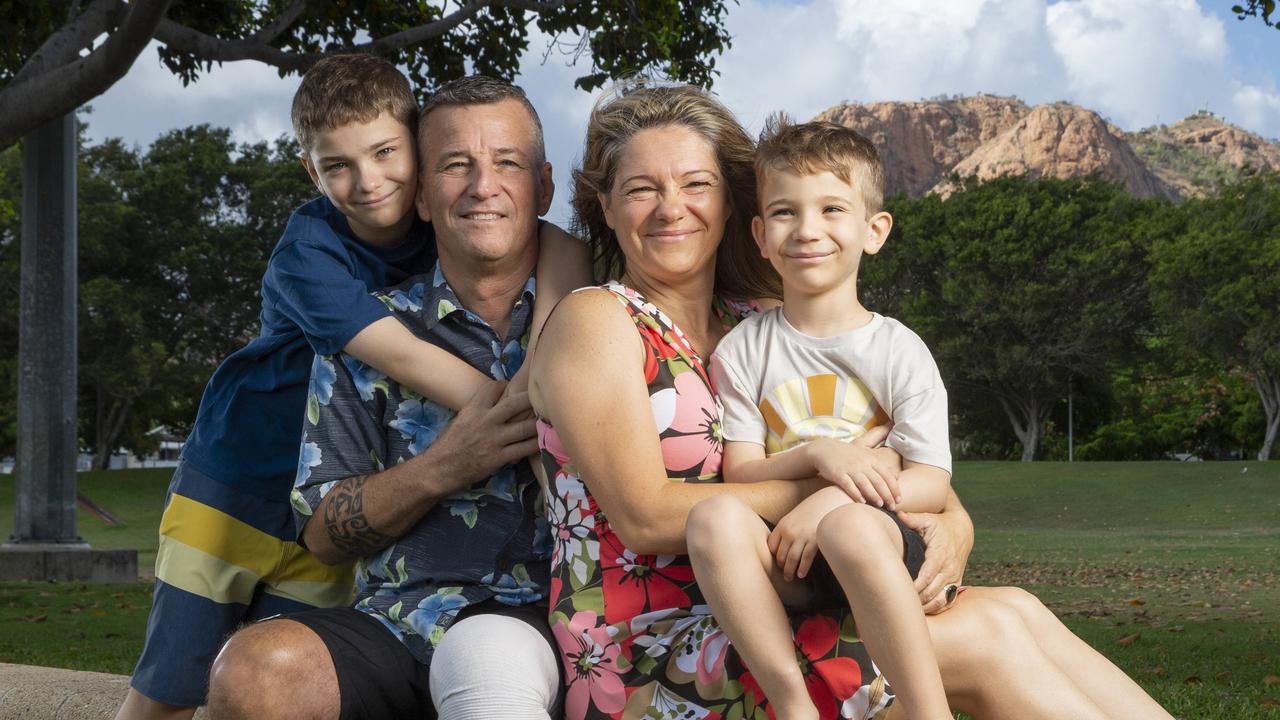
x: 482, y: 186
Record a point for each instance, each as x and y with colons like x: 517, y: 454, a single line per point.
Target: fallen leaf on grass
x: 38, y: 618
x: 1270, y: 703
x: 1271, y: 680
x: 1128, y: 640
x: 1176, y: 628
x: 1223, y: 676
x: 1192, y: 680
x: 1136, y: 602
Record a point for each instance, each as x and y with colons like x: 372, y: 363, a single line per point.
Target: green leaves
x: 1018, y: 285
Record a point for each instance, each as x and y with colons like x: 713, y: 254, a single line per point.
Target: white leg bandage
x: 492, y: 666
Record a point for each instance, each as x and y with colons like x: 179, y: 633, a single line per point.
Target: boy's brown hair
x: 344, y: 89
x: 813, y: 147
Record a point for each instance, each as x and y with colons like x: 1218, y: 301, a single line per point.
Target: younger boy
x: 798, y: 383
x: 227, y: 550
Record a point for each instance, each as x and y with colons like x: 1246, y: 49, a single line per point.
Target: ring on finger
x: 949, y: 593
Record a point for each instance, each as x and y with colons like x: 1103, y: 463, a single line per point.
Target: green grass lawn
x: 1170, y: 569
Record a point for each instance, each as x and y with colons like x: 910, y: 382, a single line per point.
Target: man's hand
x: 794, y: 542
x: 362, y: 515
x: 857, y: 469
x: 948, y: 540
x: 489, y: 432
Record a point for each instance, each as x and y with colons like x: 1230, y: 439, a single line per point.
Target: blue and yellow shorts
x: 226, y: 558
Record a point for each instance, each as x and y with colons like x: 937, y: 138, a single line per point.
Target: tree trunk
x: 1268, y: 385
x: 112, y: 414
x: 1027, y: 415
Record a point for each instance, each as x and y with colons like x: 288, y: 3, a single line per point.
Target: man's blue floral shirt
x: 489, y: 541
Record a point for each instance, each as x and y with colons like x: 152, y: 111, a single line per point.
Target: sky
x: 1136, y: 62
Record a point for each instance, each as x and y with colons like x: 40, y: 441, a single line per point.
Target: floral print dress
x: 636, y: 637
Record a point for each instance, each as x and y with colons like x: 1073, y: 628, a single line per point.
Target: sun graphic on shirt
x: 818, y: 406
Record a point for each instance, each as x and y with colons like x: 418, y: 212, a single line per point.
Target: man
x: 450, y: 565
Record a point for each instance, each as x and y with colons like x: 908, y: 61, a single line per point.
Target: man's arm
x: 363, y: 514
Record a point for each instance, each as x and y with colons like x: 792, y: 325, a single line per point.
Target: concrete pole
x: 45, y: 512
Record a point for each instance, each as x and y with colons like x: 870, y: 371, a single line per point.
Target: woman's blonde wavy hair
x: 639, y: 104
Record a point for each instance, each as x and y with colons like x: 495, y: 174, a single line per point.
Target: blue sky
x: 1137, y: 62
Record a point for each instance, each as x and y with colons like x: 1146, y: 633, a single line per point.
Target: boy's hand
x: 794, y: 542
x: 856, y: 469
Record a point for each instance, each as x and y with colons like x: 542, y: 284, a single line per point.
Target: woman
x: 665, y: 194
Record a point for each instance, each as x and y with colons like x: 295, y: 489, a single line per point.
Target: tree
x: 47, y: 72
x: 1216, y: 286
x: 1261, y: 9
x: 1020, y: 285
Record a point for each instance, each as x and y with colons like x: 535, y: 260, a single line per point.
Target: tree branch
x: 60, y: 90
x: 64, y: 45
x: 207, y: 47
x: 282, y: 23
x: 433, y: 30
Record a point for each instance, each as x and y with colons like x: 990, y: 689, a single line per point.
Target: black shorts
x: 828, y: 594
x: 377, y: 675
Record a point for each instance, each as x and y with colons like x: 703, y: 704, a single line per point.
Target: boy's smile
x: 814, y: 229
x: 370, y: 173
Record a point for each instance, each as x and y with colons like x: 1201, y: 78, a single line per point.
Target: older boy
x: 798, y: 382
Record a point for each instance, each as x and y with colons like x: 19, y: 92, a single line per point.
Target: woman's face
x: 668, y: 205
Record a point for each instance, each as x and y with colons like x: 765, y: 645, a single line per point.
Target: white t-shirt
x: 781, y: 388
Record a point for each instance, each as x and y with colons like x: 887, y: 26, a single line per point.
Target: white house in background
x: 166, y: 455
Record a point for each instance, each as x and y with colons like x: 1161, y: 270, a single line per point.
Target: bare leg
x: 137, y: 706
x: 1091, y: 671
x: 994, y: 669
x: 274, y: 669
x: 744, y: 596
x: 864, y: 548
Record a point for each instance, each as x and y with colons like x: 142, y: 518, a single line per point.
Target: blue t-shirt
x: 315, y: 298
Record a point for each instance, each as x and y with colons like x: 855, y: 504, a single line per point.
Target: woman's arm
x: 948, y: 540
x: 588, y: 382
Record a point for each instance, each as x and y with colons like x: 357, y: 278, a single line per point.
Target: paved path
x: 28, y: 692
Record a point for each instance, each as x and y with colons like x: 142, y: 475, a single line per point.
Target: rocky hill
x: 1196, y: 154
x: 922, y: 143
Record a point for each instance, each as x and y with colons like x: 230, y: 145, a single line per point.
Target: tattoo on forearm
x: 345, y: 522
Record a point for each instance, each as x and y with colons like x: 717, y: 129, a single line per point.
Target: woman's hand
x: 948, y: 540
x: 794, y: 542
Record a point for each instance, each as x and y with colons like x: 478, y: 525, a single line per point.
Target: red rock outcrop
x: 921, y: 141
x: 1061, y: 140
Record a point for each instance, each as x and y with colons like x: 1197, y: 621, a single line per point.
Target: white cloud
x: 1255, y: 108
x: 807, y: 58
x: 248, y: 97
x: 1140, y: 59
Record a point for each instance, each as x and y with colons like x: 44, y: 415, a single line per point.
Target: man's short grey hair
x: 483, y: 90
